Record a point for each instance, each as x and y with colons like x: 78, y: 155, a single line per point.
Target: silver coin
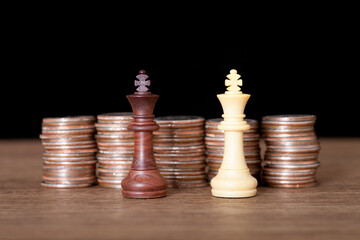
x: 291, y: 182
x: 112, y: 157
x: 119, y: 162
x: 66, y: 143
x: 110, y: 137
x: 67, y: 128
x: 70, y: 146
x: 55, y: 185
x: 102, y: 180
x: 62, y: 154
x: 69, y: 119
x: 294, y: 149
x: 81, y: 137
x: 291, y: 143
x: 198, y: 152
x: 112, y: 129
x: 285, y: 130
x: 176, y: 148
x: 295, y: 166
x: 112, y: 169
x: 180, y: 170
x: 116, y: 144
x: 290, y: 117
x: 115, y: 116
x: 270, y: 124
x: 69, y: 159
x: 267, y: 135
x: 59, y: 163
x: 271, y: 171
x: 291, y: 158
x: 112, y: 175
x: 69, y: 132
x: 178, y: 119
x: 287, y: 177
x: 124, y: 152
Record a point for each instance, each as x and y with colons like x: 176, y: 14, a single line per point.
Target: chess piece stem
x: 233, y: 179
x: 144, y: 179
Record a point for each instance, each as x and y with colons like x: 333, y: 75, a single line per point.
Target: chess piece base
x: 233, y: 194
x: 233, y: 183
x: 153, y: 194
x: 144, y: 184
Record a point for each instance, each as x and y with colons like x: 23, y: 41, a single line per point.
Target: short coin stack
x: 179, y: 150
x: 116, y: 147
x: 292, y: 151
x: 214, y: 140
x: 70, y: 148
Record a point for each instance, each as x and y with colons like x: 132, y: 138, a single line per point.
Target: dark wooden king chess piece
x: 144, y: 179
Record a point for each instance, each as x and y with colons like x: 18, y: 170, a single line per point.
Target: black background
x: 79, y: 67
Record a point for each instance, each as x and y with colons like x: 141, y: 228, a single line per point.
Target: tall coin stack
x: 179, y: 150
x: 116, y: 147
x: 214, y: 141
x: 70, y: 148
x: 292, y: 151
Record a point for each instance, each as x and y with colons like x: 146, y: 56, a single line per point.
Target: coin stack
x: 70, y: 148
x: 116, y: 147
x: 179, y: 150
x: 292, y: 151
x: 214, y: 140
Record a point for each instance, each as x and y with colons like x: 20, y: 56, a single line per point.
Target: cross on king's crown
x: 142, y: 81
x: 234, y: 82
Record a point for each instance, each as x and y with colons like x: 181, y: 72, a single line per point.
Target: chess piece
x: 233, y: 179
x: 144, y: 179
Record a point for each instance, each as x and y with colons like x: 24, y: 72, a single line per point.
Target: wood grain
x: 329, y: 211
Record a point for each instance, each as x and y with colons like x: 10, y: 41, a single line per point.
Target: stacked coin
x: 116, y: 147
x: 214, y: 140
x: 179, y: 150
x: 292, y: 151
x: 70, y: 148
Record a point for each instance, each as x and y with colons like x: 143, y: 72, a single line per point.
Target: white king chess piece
x: 233, y: 179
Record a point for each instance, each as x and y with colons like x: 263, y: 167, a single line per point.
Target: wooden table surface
x: 329, y: 211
